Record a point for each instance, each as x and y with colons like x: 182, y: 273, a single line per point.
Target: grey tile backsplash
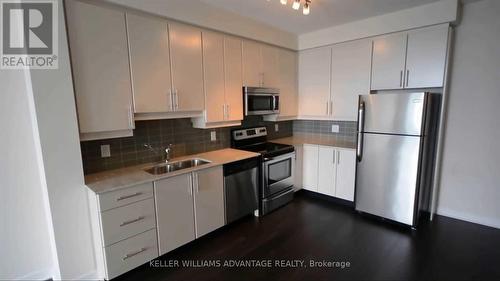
x: 347, y: 129
x: 187, y: 140
x: 184, y: 138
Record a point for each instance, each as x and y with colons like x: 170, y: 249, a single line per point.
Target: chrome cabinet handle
x: 338, y: 157
x: 407, y: 77
x: 327, y: 108
x: 331, y: 107
x: 128, y: 196
x: 224, y: 111
x: 401, y: 79
x: 334, y: 156
x: 228, y: 111
x: 127, y: 256
x: 361, y: 121
x: 176, y: 99
x: 171, y: 94
x: 131, y: 124
x: 131, y: 221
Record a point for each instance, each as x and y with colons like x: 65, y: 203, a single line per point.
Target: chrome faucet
x: 164, y: 156
x: 168, y: 150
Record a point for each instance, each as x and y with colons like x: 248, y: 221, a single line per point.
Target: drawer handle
x: 127, y: 256
x: 128, y: 196
x: 131, y: 221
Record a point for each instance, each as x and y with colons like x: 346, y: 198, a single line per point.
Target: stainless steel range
x: 278, y: 162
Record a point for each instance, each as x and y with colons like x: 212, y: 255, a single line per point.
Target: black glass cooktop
x: 269, y: 148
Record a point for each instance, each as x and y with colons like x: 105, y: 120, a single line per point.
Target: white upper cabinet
x: 426, y: 57
x: 414, y: 59
x: 350, y: 77
x: 252, y: 64
x: 314, y: 82
x: 388, y: 64
x: 233, y: 78
x: 100, y: 63
x: 270, y: 64
x: 187, y: 71
x: 150, y: 64
x: 327, y: 170
x: 222, y: 81
x: 213, y: 67
x: 288, y: 75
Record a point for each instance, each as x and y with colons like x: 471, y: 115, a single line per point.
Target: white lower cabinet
x: 208, y: 200
x: 310, y: 156
x: 137, y: 224
x: 188, y: 206
x: 131, y: 253
x: 346, y: 174
x: 329, y: 170
x: 326, y: 170
x: 174, y: 209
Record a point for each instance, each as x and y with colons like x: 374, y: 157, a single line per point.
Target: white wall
x: 470, y: 181
x: 434, y: 13
x: 26, y: 239
x: 57, y: 121
x: 202, y: 14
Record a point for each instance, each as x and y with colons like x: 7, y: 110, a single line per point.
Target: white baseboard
x: 491, y: 222
x: 88, y: 276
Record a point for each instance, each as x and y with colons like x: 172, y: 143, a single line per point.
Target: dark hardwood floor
x: 314, y: 229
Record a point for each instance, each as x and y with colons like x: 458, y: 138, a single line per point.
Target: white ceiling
x: 324, y: 13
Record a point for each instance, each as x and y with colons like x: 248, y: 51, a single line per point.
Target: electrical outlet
x: 213, y: 136
x: 105, y: 151
x: 335, y: 128
x: 276, y: 127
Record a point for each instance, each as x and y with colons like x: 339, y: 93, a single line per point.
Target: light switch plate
x: 105, y: 151
x: 276, y: 127
x: 213, y: 136
x: 335, y: 128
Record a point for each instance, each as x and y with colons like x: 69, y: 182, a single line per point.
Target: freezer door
x: 400, y: 113
x: 386, y: 179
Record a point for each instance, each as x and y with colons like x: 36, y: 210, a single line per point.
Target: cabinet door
x: 187, y: 70
x: 346, y: 174
x: 327, y: 170
x: 213, y: 70
x: 150, y: 64
x: 99, y: 53
x: 314, y: 82
x: 310, y: 167
x: 351, y: 65
x: 208, y: 200
x: 270, y: 76
x: 233, y: 78
x: 287, y: 71
x: 174, y: 212
x: 252, y: 64
x: 388, y: 63
x: 297, y: 178
x: 426, y: 57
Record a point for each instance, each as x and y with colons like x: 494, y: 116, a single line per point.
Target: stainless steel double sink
x: 164, y: 168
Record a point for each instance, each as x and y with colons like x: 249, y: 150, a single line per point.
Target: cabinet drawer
x: 125, y: 196
x: 131, y: 253
x: 127, y: 221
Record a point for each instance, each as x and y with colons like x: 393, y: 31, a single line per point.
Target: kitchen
x: 335, y: 149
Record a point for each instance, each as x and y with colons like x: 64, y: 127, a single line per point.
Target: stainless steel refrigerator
x: 395, y: 154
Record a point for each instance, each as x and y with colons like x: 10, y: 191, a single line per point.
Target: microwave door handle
x: 274, y: 103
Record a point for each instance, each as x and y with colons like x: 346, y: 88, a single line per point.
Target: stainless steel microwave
x: 261, y: 101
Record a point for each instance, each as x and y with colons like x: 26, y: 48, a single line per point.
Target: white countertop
x: 121, y: 178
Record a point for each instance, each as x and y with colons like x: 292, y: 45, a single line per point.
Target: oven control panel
x: 249, y: 133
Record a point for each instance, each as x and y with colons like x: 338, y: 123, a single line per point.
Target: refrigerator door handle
x: 361, y: 121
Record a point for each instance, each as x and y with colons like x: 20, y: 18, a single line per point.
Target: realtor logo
x: 29, y: 34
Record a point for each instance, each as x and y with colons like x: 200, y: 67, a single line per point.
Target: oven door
x: 261, y: 103
x: 278, y: 174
